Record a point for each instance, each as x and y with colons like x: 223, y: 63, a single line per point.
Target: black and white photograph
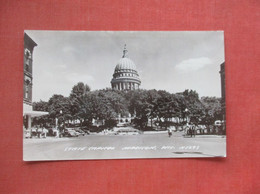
x: 90, y: 95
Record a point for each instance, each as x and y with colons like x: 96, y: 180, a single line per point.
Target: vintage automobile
x: 85, y: 130
x: 218, y: 123
x: 79, y: 131
x: 70, y: 133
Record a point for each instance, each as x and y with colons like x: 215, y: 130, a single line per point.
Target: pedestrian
x: 194, y: 129
x: 44, y: 132
x: 187, y: 129
x: 169, y: 132
x: 39, y: 131
x: 190, y: 129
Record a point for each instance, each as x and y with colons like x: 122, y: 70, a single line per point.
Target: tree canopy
x: 146, y: 106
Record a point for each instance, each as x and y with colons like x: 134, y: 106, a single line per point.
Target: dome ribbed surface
x: 125, y: 63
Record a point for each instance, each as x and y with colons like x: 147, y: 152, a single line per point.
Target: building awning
x: 34, y: 113
x: 27, y: 110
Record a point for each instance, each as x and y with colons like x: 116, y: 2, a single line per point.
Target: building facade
x: 28, y: 112
x: 223, y: 94
x: 222, y: 76
x: 29, y: 45
x: 125, y: 76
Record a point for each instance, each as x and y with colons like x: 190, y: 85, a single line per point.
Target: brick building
x: 28, y: 112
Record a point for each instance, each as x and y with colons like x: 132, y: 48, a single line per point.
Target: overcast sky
x: 171, y: 61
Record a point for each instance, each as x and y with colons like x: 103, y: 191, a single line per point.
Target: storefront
x: 28, y: 115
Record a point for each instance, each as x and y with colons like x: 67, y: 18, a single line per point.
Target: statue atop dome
x: 125, y: 76
x: 125, y: 52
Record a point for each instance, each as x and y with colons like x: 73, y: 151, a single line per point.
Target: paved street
x: 146, y: 145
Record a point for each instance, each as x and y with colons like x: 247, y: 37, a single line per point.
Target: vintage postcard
x: 123, y: 94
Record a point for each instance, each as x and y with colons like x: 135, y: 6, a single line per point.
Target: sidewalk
x: 45, y: 140
x: 205, y: 136
x: 154, y: 132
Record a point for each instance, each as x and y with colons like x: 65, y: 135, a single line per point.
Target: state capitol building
x: 125, y: 76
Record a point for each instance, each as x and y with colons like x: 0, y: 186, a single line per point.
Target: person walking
x: 169, y: 132
x: 194, y: 130
x: 190, y: 130
x: 187, y: 129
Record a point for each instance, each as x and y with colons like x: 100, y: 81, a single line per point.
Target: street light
x: 186, y: 114
x: 57, y: 123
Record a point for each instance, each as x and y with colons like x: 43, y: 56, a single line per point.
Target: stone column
x: 29, y: 122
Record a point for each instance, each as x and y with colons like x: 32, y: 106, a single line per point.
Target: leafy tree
x: 212, y: 108
x: 167, y: 107
x: 41, y: 106
x: 79, y: 90
x: 195, y: 108
x: 77, y: 101
x: 59, y: 107
x: 145, y: 105
x: 139, y: 106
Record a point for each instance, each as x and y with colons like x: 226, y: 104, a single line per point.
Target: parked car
x: 79, y: 131
x: 218, y: 123
x: 85, y: 130
x: 70, y: 133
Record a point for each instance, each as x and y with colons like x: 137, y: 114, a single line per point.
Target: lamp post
x: 60, y: 123
x: 57, y: 124
x: 186, y: 114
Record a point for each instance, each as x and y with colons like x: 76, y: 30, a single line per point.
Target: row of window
x: 127, y: 74
x: 126, y: 70
x: 27, y: 62
x: 125, y: 86
x: 27, y: 94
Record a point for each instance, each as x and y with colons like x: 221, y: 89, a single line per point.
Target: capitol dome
x: 125, y: 63
x: 125, y: 76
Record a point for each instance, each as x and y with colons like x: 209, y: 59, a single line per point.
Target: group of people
x: 39, y: 131
x: 190, y: 130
